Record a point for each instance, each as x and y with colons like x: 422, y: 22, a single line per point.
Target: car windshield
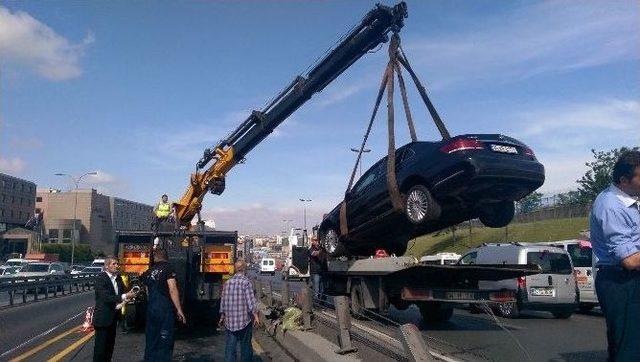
x: 581, y: 257
x: 14, y: 263
x: 550, y: 263
x: 36, y: 268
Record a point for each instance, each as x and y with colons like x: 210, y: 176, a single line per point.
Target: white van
x: 268, y: 266
x: 582, y: 257
x: 554, y: 290
x: 441, y: 259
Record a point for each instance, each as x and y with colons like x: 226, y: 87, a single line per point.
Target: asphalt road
x: 535, y: 336
x: 24, y: 323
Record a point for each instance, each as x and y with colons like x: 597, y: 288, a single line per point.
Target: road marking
x: 44, y: 345
x: 257, y: 347
x: 62, y: 354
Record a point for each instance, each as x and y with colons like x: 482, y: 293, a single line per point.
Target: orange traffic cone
x: 87, y: 326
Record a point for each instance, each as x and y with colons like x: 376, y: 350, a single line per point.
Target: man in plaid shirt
x: 237, y: 312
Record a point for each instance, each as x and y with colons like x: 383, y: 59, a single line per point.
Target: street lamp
x: 76, y: 182
x: 304, y: 208
x: 364, y: 150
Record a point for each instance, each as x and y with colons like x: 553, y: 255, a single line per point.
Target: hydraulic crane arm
x: 372, y: 31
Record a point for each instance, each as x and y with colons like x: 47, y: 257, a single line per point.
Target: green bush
x: 82, y: 253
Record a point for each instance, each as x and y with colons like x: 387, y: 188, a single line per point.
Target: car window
x: 368, y: 178
x: 581, y: 257
x: 35, y: 268
x: 550, y: 263
x: 407, y: 155
x: 271, y: 262
x: 469, y: 258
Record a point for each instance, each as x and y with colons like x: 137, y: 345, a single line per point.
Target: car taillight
x: 529, y: 152
x: 462, y: 144
x: 522, y: 283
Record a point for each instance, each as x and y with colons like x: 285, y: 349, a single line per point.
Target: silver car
x: 41, y: 270
x: 553, y: 290
x: 7, y: 271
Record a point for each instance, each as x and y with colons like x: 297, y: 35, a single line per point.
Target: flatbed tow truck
x: 371, y: 283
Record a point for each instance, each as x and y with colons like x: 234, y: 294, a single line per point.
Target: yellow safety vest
x: 163, y: 210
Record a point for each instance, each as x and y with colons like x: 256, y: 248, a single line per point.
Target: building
x: 94, y: 220
x: 17, y: 204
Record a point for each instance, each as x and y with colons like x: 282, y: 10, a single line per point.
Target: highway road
x: 535, y: 336
x: 29, y: 324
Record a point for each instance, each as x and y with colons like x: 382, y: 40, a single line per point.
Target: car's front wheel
x: 497, y: 215
x: 419, y: 205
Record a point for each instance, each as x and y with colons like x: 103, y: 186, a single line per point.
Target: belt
x: 616, y: 268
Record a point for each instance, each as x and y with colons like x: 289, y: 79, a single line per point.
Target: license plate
x: 543, y: 292
x: 460, y: 295
x: 504, y: 149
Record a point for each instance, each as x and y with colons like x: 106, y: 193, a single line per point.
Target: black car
x: 441, y: 184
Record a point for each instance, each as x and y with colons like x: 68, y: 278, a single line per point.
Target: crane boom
x: 372, y: 31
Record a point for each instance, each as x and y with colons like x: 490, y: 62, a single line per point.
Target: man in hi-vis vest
x: 161, y: 212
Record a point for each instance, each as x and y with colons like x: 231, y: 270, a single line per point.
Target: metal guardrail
x: 413, y: 347
x: 19, y: 287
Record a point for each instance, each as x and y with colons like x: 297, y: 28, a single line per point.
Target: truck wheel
x: 435, y: 312
x: 497, y: 215
x: 357, y: 302
x: 508, y: 310
x: 419, y: 205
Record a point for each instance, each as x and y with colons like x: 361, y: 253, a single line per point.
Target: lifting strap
x: 397, y: 57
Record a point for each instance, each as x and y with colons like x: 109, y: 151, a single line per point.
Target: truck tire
x: 435, y: 312
x: 419, y: 205
x: 508, y: 310
x: 497, y: 215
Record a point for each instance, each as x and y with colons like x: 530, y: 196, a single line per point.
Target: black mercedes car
x: 441, y: 184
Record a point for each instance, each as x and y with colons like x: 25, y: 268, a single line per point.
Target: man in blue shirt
x: 615, y: 237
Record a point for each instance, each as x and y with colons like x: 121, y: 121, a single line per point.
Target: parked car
x: 581, y: 255
x: 441, y: 184
x: 75, y: 269
x: 98, y: 262
x: 553, y: 290
x: 41, y: 269
x: 268, y: 266
x: 441, y: 259
x: 7, y: 271
x: 18, y: 262
x: 91, y: 270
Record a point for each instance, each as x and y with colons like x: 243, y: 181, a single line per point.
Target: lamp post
x: 304, y: 208
x: 357, y: 150
x: 76, y: 182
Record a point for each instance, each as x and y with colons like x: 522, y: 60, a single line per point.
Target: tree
x: 598, y: 177
x: 82, y: 252
x: 571, y: 198
x: 530, y: 203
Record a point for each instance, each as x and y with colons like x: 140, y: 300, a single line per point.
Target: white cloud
x: 25, y: 41
x: 544, y: 37
x: 12, y: 166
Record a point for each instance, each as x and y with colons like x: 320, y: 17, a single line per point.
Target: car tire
x: 562, y: 314
x: 419, y: 206
x: 435, y: 312
x: 497, y: 215
x: 508, y: 310
x: 332, y: 244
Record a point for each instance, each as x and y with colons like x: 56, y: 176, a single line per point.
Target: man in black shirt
x: 162, y: 292
x: 317, y: 266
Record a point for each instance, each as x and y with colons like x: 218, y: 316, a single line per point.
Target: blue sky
x: 136, y: 90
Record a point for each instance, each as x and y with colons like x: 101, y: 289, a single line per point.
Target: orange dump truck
x: 202, y: 261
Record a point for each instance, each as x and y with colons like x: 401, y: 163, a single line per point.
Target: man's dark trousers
x: 619, y: 296
x: 105, y: 340
x: 243, y: 337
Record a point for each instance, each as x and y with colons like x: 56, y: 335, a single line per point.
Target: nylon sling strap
x: 392, y: 183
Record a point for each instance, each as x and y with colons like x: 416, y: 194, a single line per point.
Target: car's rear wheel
x: 419, y: 205
x: 497, y: 215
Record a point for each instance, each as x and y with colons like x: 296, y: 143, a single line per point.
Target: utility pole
x: 76, y: 182
x: 304, y: 208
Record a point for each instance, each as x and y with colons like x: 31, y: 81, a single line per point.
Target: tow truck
x: 203, y: 258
